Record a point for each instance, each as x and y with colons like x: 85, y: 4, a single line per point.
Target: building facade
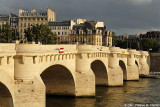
x: 62, y: 30
x: 26, y: 19
x: 107, y: 39
x: 81, y: 31
x: 90, y: 33
x: 13, y: 20
x: 86, y: 33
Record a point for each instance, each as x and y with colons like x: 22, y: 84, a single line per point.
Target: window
x: 89, y: 32
x: 58, y: 38
x: 65, y: 33
x: 28, y: 18
x: 38, y: 19
x: 21, y: 30
x: 41, y: 18
x: 89, y: 39
x: 62, y: 33
x: 33, y: 18
x: 66, y: 39
x: 59, y: 28
x: 21, y: 24
x: 81, y: 39
x: 45, y: 18
x: 28, y: 24
x: 24, y: 24
x: 25, y: 19
x: 58, y: 33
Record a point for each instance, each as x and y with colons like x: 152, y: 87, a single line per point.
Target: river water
x: 142, y: 92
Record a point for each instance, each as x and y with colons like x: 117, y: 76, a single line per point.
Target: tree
x: 41, y: 33
x: 114, y: 38
x: 6, y: 33
x: 147, y: 44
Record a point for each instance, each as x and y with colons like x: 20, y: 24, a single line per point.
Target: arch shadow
x: 124, y: 69
x: 6, y: 89
x: 100, y: 71
x: 58, y: 80
x: 6, y: 99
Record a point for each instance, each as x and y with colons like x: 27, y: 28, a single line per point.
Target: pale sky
x: 121, y: 16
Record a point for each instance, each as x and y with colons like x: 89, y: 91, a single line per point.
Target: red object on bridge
x: 61, y: 50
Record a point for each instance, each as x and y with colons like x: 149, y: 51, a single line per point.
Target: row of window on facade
x: 33, y: 14
x: 89, y: 32
x: 63, y: 33
x: 32, y: 19
x: 60, y: 28
x: 29, y: 24
x: 4, y: 18
x: 74, y: 39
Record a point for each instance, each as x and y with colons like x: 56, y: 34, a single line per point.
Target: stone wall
x: 155, y: 62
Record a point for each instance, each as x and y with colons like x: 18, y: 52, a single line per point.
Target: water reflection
x: 142, y: 91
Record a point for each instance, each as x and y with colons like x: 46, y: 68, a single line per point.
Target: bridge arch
x: 124, y: 69
x: 59, y: 80
x: 100, y: 72
x: 6, y: 89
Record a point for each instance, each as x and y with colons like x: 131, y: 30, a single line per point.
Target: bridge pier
x: 29, y: 93
x: 132, y: 68
x: 29, y: 88
x: 84, y: 76
x: 115, y: 74
x: 144, y: 67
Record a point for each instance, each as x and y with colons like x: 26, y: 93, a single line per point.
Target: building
x: 89, y: 32
x: 26, y: 19
x: 13, y: 20
x: 107, y: 38
x: 151, y: 34
x: 3, y: 20
x: 62, y: 30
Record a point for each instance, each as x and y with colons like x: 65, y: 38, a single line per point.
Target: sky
x: 121, y: 16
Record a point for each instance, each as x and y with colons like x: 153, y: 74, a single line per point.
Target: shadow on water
x: 142, y: 91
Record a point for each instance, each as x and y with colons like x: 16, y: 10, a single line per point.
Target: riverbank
x: 150, y: 76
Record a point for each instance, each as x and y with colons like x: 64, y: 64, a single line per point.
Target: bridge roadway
x: 29, y: 71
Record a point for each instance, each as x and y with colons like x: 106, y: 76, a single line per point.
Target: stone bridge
x: 29, y: 71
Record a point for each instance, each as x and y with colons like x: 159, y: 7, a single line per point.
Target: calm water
x: 133, y: 92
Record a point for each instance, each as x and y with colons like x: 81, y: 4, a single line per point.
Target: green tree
x: 114, y: 38
x: 147, y: 44
x: 41, y: 33
x: 6, y: 33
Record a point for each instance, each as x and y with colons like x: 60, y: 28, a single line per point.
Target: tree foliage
x: 147, y: 44
x: 114, y: 38
x: 40, y: 33
x: 6, y: 33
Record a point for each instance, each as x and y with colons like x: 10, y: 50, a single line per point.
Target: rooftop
x: 63, y: 23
